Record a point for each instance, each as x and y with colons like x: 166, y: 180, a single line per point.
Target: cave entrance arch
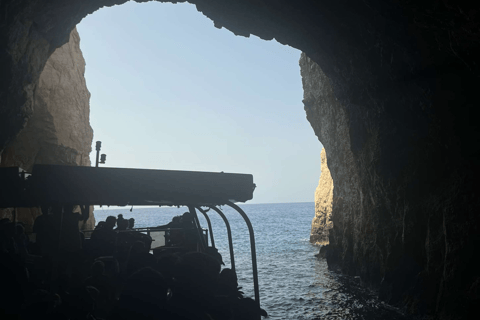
x: 204, y: 88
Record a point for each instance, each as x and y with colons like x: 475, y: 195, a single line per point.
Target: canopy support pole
x: 209, y: 225
x: 252, y: 248
x: 229, y: 233
x: 198, y: 227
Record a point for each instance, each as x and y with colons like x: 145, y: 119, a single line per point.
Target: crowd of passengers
x: 112, y: 275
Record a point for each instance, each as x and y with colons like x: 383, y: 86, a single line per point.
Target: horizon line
x: 242, y: 203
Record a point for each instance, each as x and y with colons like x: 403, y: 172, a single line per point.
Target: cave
x: 390, y: 91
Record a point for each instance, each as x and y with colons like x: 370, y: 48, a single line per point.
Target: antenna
x: 103, y: 157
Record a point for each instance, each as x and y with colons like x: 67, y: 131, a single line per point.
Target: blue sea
x: 293, y: 283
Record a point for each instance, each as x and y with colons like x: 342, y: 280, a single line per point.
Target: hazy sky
x: 171, y: 91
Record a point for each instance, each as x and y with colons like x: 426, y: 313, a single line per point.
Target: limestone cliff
x: 391, y: 226
x: 59, y: 130
x: 322, y: 223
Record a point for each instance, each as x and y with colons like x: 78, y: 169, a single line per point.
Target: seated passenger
x: 104, y: 238
x: 131, y: 223
x: 138, y: 258
x: 187, y: 220
x: 228, y: 284
x: 110, y: 222
x: 175, y: 223
x: 70, y: 241
x: 120, y: 219
x: 247, y: 308
x: 103, y: 284
x: 21, y: 241
x: 214, y: 253
x: 122, y: 225
x: 40, y: 304
x: 144, y: 296
x: 196, y: 274
x: 40, y: 229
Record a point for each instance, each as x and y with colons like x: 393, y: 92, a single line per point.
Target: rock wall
x: 322, y: 223
x: 58, y: 132
x: 398, y: 225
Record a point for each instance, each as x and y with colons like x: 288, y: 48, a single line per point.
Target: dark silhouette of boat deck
x: 56, y: 185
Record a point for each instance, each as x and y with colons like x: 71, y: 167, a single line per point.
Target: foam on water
x: 293, y: 283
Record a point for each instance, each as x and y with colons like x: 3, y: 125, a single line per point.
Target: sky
x: 170, y: 91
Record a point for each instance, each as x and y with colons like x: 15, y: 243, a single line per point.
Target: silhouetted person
x: 214, y: 253
x: 40, y: 228
x: 110, y: 222
x: 40, y: 304
x: 138, y: 258
x: 131, y: 223
x: 175, y: 223
x: 196, y: 275
x: 122, y: 224
x: 20, y: 240
x: 54, y: 227
x: 227, y: 284
x: 144, y: 296
x: 100, y: 225
x: 15, y: 277
x: 187, y: 220
x: 104, y: 286
x: 79, y: 299
x: 190, y: 232
x: 174, y: 238
x: 124, y: 240
x: 120, y: 219
x: 103, y: 237
x: 247, y: 308
x: 7, y: 231
x: 70, y: 244
x: 70, y: 233
x: 166, y: 265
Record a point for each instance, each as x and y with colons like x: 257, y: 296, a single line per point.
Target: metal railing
x: 157, y: 234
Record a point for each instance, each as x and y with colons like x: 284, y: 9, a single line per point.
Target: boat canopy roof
x: 60, y: 185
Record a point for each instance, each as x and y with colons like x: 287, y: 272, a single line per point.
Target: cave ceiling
x: 362, y: 46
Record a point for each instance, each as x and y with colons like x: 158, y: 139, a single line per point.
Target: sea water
x: 293, y: 283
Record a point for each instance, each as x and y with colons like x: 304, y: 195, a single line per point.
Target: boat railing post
x: 229, y: 234
x: 198, y: 227
x: 209, y: 225
x: 252, y: 248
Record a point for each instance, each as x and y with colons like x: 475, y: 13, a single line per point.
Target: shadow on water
x: 338, y: 296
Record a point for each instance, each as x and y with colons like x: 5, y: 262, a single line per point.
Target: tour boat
x: 57, y: 185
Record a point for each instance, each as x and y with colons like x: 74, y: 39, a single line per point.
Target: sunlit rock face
x: 58, y: 132
x: 330, y: 122
x: 321, y: 223
x: 391, y: 92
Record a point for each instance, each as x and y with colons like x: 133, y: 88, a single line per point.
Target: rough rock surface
x: 391, y: 227
x: 322, y: 223
x: 58, y: 132
x: 399, y: 97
